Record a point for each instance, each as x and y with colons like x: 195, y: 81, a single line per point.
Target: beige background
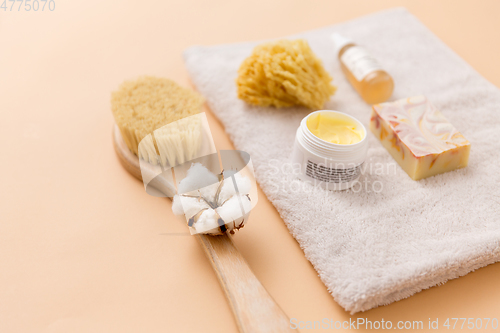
x: 84, y: 249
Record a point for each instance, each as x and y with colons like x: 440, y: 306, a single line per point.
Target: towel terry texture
x: 392, y: 236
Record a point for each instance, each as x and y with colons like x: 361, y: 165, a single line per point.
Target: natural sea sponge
x: 284, y: 73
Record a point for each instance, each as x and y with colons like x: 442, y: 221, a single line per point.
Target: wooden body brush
x: 144, y: 100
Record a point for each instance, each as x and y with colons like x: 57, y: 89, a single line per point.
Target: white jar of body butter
x: 330, y: 147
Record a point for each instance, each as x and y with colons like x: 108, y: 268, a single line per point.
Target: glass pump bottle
x: 363, y: 71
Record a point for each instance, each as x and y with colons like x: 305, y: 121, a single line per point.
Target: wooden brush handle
x: 254, y: 309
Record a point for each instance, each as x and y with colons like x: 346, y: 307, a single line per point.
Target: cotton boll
x: 198, y: 197
x: 208, y: 192
x: 232, y: 211
x: 197, y: 177
x: 188, y: 206
x: 207, y: 221
x: 193, y: 205
x: 228, y: 189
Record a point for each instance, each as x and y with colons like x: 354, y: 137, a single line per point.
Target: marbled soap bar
x: 419, y: 137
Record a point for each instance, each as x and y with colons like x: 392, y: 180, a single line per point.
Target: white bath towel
x: 394, y: 236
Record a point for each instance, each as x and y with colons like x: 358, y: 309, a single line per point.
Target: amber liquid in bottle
x: 364, y: 73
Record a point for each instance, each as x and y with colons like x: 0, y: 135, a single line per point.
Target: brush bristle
x: 149, y: 103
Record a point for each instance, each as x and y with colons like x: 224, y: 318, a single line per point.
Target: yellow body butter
x: 335, y: 128
x: 330, y: 147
